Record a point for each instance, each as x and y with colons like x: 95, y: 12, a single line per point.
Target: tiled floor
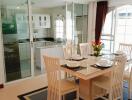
x: 11, y: 91
x: 26, y: 69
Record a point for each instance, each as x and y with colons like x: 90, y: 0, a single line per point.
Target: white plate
x: 118, y: 53
x: 104, y: 63
x: 77, y: 57
x: 72, y: 64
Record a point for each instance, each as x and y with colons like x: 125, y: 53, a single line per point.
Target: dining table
x: 86, y: 71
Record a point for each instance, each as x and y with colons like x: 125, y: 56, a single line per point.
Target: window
x: 123, y: 25
x: 59, y: 27
x: 117, y: 28
x: 107, y: 34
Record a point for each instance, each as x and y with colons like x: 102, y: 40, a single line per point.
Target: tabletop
x: 88, y: 69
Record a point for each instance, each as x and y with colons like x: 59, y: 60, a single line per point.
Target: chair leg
x: 129, y: 94
x: 129, y: 90
x: 63, y: 97
x: 110, y: 95
x: 77, y: 94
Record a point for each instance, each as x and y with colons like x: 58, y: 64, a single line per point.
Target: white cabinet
x: 41, y: 21
x: 38, y: 21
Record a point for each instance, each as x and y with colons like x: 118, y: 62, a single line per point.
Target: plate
x: 118, y: 53
x: 104, y: 63
x: 97, y: 64
x: 72, y: 64
x: 77, y: 57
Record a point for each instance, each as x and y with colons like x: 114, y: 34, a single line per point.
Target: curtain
x: 91, y: 20
x: 102, y: 8
x: 91, y: 23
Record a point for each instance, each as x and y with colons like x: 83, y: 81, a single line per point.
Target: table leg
x: 85, y: 89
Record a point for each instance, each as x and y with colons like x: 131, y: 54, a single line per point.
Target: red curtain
x: 102, y: 8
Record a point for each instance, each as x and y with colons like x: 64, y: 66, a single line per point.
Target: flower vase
x: 96, y: 53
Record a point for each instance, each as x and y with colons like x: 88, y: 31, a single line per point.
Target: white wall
x: 54, y: 12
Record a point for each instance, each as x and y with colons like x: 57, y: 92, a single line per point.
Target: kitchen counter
x: 37, y: 40
x: 56, y: 51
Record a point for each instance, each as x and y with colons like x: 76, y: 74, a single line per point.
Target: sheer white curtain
x: 91, y: 21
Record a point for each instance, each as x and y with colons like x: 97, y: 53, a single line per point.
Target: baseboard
x: 1, y: 86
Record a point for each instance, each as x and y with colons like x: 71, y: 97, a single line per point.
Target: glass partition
x: 77, y: 23
x: 16, y: 41
x: 48, y: 31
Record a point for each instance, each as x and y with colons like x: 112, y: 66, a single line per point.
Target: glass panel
x: 81, y: 22
x: 49, y: 34
x: 14, y: 17
x: 77, y: 23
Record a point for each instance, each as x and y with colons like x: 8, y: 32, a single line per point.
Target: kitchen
x: 50, y: 26
x: 17, y: 40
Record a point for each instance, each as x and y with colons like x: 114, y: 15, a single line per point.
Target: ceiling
x: 40, y: 3
x: 48, y: 3
x: 54, y: 3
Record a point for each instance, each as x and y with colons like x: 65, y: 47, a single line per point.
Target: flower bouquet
x: 97, y: 47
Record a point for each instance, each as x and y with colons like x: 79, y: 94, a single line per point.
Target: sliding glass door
x: 16, y: 39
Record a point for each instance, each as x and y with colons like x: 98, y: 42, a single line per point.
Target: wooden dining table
x: 86, y: 74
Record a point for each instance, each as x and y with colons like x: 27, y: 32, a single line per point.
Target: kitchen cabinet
x: 41, y: 21
x: 38, y: 21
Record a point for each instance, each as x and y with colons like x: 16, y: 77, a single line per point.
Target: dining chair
x: 128, y: 78
x: 58, y: 87
x: 127, y: 49
x: 69, y: 50
x: 85, y: 49
x: 130, y: 85
x: 110, y: 88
